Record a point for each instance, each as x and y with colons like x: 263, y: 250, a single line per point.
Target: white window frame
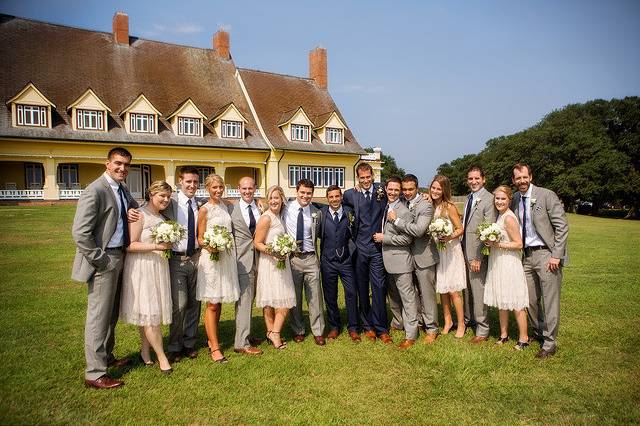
x: 294, y: 176
x: 338, y: 175
x: 142, y: 123
x: 31, y: 115
x: 305, y: 172
x: 68, y: 174
x: 300, y: 132
x: 203, y: 172
x: 189, y: 126
x: 317, y: 176
x: 33, y: 175
x: 232, y: 129
x: 334, y: 135
x: 89, y: 119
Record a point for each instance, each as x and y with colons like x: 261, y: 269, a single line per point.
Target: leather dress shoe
x: 406, y: 343
x: 478, y: 339
x: 333, y: 334
x: 249, y: 350
x: 545, y: 353
x: 190, y: 353
x: 118, y: 363
x: 174, y: 357
x: 298, y: 338
x: 430, y: 338
x: 371, y: 335
x: 386, y: 339
x: 355, y: 337
x: 319, y: 340
x: 104, y: 382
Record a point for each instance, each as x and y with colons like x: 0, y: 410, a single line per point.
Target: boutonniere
x: 475, y: 204
x: 379, y: 193
x: 351, y: 218
x: 314, y: 215
x: 533, y: 202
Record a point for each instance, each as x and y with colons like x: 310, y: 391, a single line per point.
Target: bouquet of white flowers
x: 283, y: 245
x: 486, y: 232
x: 440, y: 227
x: 218, y: 238
x: 168, y: 231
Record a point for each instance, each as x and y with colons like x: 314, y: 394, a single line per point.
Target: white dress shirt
x: 182, y: 217
x: 292, y: 223
x: 245, y: 211
x: 390, y: 207
x: 339, y: 211
x: 117, y: 237
x: 532, y: 237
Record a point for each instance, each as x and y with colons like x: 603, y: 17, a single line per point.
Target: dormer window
x: 330, y: 128
x: 88, y: 112
x: 187, y: 119
x: 334, y: 135
x: 31, y: 115
x: 90, y: 119
x: 228, y: 122
x: 232, y: 129
x: 189, y: 126
x: 299, y: 132
x: 142, y: 123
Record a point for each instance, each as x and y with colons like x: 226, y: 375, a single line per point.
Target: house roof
x: 276, y: 98
x: 62, y: 62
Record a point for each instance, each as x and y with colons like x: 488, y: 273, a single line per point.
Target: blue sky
x: 427, y: 81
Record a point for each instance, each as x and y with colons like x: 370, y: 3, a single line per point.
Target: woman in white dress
x: 146, y: 286
x: 217, y: 280
x: 451, y: 271
x: 275, y: 292
x: 506, y: 284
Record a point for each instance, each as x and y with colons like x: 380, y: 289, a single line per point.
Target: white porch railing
x: 230, y: 193
x: 22, y: 194
x: 70, y: 194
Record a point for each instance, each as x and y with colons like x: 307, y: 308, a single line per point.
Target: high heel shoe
x: 269, y: 338
x: 167, y: 371
x: 502, y: 341
x: 147, y: 363
x: 222, y: 360
x: 463, y: 333
x: 283, y: 344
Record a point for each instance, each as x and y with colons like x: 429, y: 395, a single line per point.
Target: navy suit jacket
x: 367, y: 222
x: 336, y: 241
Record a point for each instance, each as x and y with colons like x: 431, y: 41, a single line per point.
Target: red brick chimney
x: 121, y: 28
x: 318, y: 66
x: 221, y: 44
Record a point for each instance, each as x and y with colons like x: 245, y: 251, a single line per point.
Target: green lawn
x: 593, y: 379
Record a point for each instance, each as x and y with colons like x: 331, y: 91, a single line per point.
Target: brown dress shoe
x: 333, y: 334
x: 298, y: 338
x: 478, y: 339
x: 545, y: 353
x: 430, y: 338
x: 104, y: 382
x: 249, y: 350
x: 118, y: 363
x: 190, y: 353
x: 319, y: 340
x: 406, y: 343
x: 371, y: 335
x: 354, y: 337
x: 386, y: 339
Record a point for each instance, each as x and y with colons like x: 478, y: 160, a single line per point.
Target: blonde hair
x: 211, y: 179
x: 156, y: 187
x: 507, y: 191
x: 280, y: 191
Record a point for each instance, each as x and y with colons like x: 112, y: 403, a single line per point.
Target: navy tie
x: 524, y: 222
x: 123, y: 215
x: 300, y: 228
x: 367, y: 196
x: 252, y: 221
x: 191, y: 230
x: 335, y: 218
x: 467, y: 212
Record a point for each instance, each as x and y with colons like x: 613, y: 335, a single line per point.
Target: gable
x: 89, y: 100
x: 141, y: 105
x: 32, y: 96
x: 187, y: 109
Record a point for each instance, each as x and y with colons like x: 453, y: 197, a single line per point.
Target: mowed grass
x: 594, y: 378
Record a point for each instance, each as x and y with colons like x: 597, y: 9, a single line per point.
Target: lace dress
x: 146, y: 286
x: 274, y: 286
x: 451, y: 273
x: 218, y: 280
x: 506, y: 285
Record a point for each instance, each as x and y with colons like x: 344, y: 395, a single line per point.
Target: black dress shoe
x: 190, y: 353
x: 174, y: 357
x: 545, y: 353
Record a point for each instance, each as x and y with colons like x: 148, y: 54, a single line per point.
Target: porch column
x: 221, y: 169
x: 272, y: 174
x: 51, y: 189
x: 170, y: 173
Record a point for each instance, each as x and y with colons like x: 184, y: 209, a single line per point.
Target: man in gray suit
x: 545, y: 230
x: 183, y: 267
x: 100, y: 231
x: 302, y: 221
x: 477, y: 209
x: 398, y: 262
x: 244, y: 217
x: 424, y: 252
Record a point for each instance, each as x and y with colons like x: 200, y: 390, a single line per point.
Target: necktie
x: 367, y: 195
x: 123, y: 215
x: 524, y: 222
x: 335, y: 218
x: 467, y: 212
x: 384, y: 218
x: 300, y: 228
x: 191, y: 230
x: 252, y: 221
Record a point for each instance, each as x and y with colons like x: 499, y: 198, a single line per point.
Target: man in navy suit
x: 369, y: 202
x: 335, y: 261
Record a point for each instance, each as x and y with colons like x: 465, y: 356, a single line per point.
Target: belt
x: 306, y: 253
x: 119, y: 248
x: 183, y: 254
x: 529, y: 250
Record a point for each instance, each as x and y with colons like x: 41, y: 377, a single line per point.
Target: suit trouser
x: 404, y: 285
x: 103, y: 308
x: 427, y: 283
x: 544, y: 297
x: 243, y: 309
x: 331, y: 270
x: 370, y: 269
x: 183, y: 330
x: 395, y: 304
x: 306, y: 274
x: 475, y: 311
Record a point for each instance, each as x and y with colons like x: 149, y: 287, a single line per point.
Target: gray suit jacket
x: 396, y: 245
x: 549, y: 219
x: 245, y: 252
x: 483, y: 210
x: 95, y: 222
x: 423, y: 249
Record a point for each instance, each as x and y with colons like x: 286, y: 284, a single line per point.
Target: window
x: 67, y: 175
x: 299, y: 132
x: 321, y: 176
x: 232, y: 129
x: 31, y: 115
x: 89, y: 120
x: 33, y: 173
x: 203, y: 172
x: 188, y: 126
x: 142, y: 123
x: 333, y: 135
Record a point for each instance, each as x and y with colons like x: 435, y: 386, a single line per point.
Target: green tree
x: 389, y: 166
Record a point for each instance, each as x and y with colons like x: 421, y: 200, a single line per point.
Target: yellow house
x: 78, y: 93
